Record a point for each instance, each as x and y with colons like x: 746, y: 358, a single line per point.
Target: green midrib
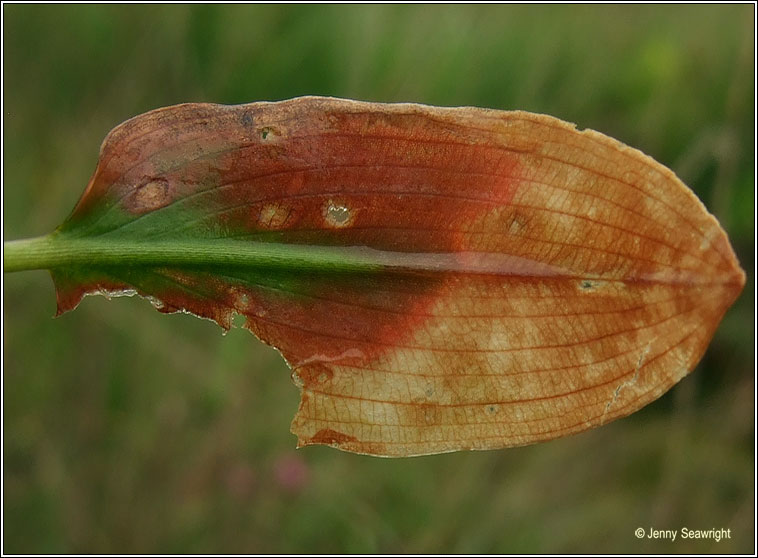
x: 57, y: 251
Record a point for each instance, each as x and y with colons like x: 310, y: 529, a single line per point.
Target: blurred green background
x: 129, y: 431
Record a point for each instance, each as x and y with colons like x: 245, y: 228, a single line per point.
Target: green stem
x: 59, y: 250
x: 55, y: 251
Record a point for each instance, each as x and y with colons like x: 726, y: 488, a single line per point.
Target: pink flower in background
x: 291, y: 472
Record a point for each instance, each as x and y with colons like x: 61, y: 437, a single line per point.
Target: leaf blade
x: 523, y: 280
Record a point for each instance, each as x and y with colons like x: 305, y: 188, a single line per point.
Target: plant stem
x: 56, y: 251
x: 59, y: 250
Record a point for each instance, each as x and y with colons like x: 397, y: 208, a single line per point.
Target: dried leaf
x: 438, y: 279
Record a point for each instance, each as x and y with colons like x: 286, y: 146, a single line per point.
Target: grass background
x: 129, y: 431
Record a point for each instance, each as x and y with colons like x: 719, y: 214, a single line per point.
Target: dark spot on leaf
x: 329, y: 436
x: 515, y: 223
x: 247, y: 120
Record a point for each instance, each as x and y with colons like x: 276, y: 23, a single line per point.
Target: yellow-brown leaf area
x: 505, y: 362
x: 644, y: 276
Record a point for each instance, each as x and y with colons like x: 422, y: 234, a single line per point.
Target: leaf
x: 438, y: 279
